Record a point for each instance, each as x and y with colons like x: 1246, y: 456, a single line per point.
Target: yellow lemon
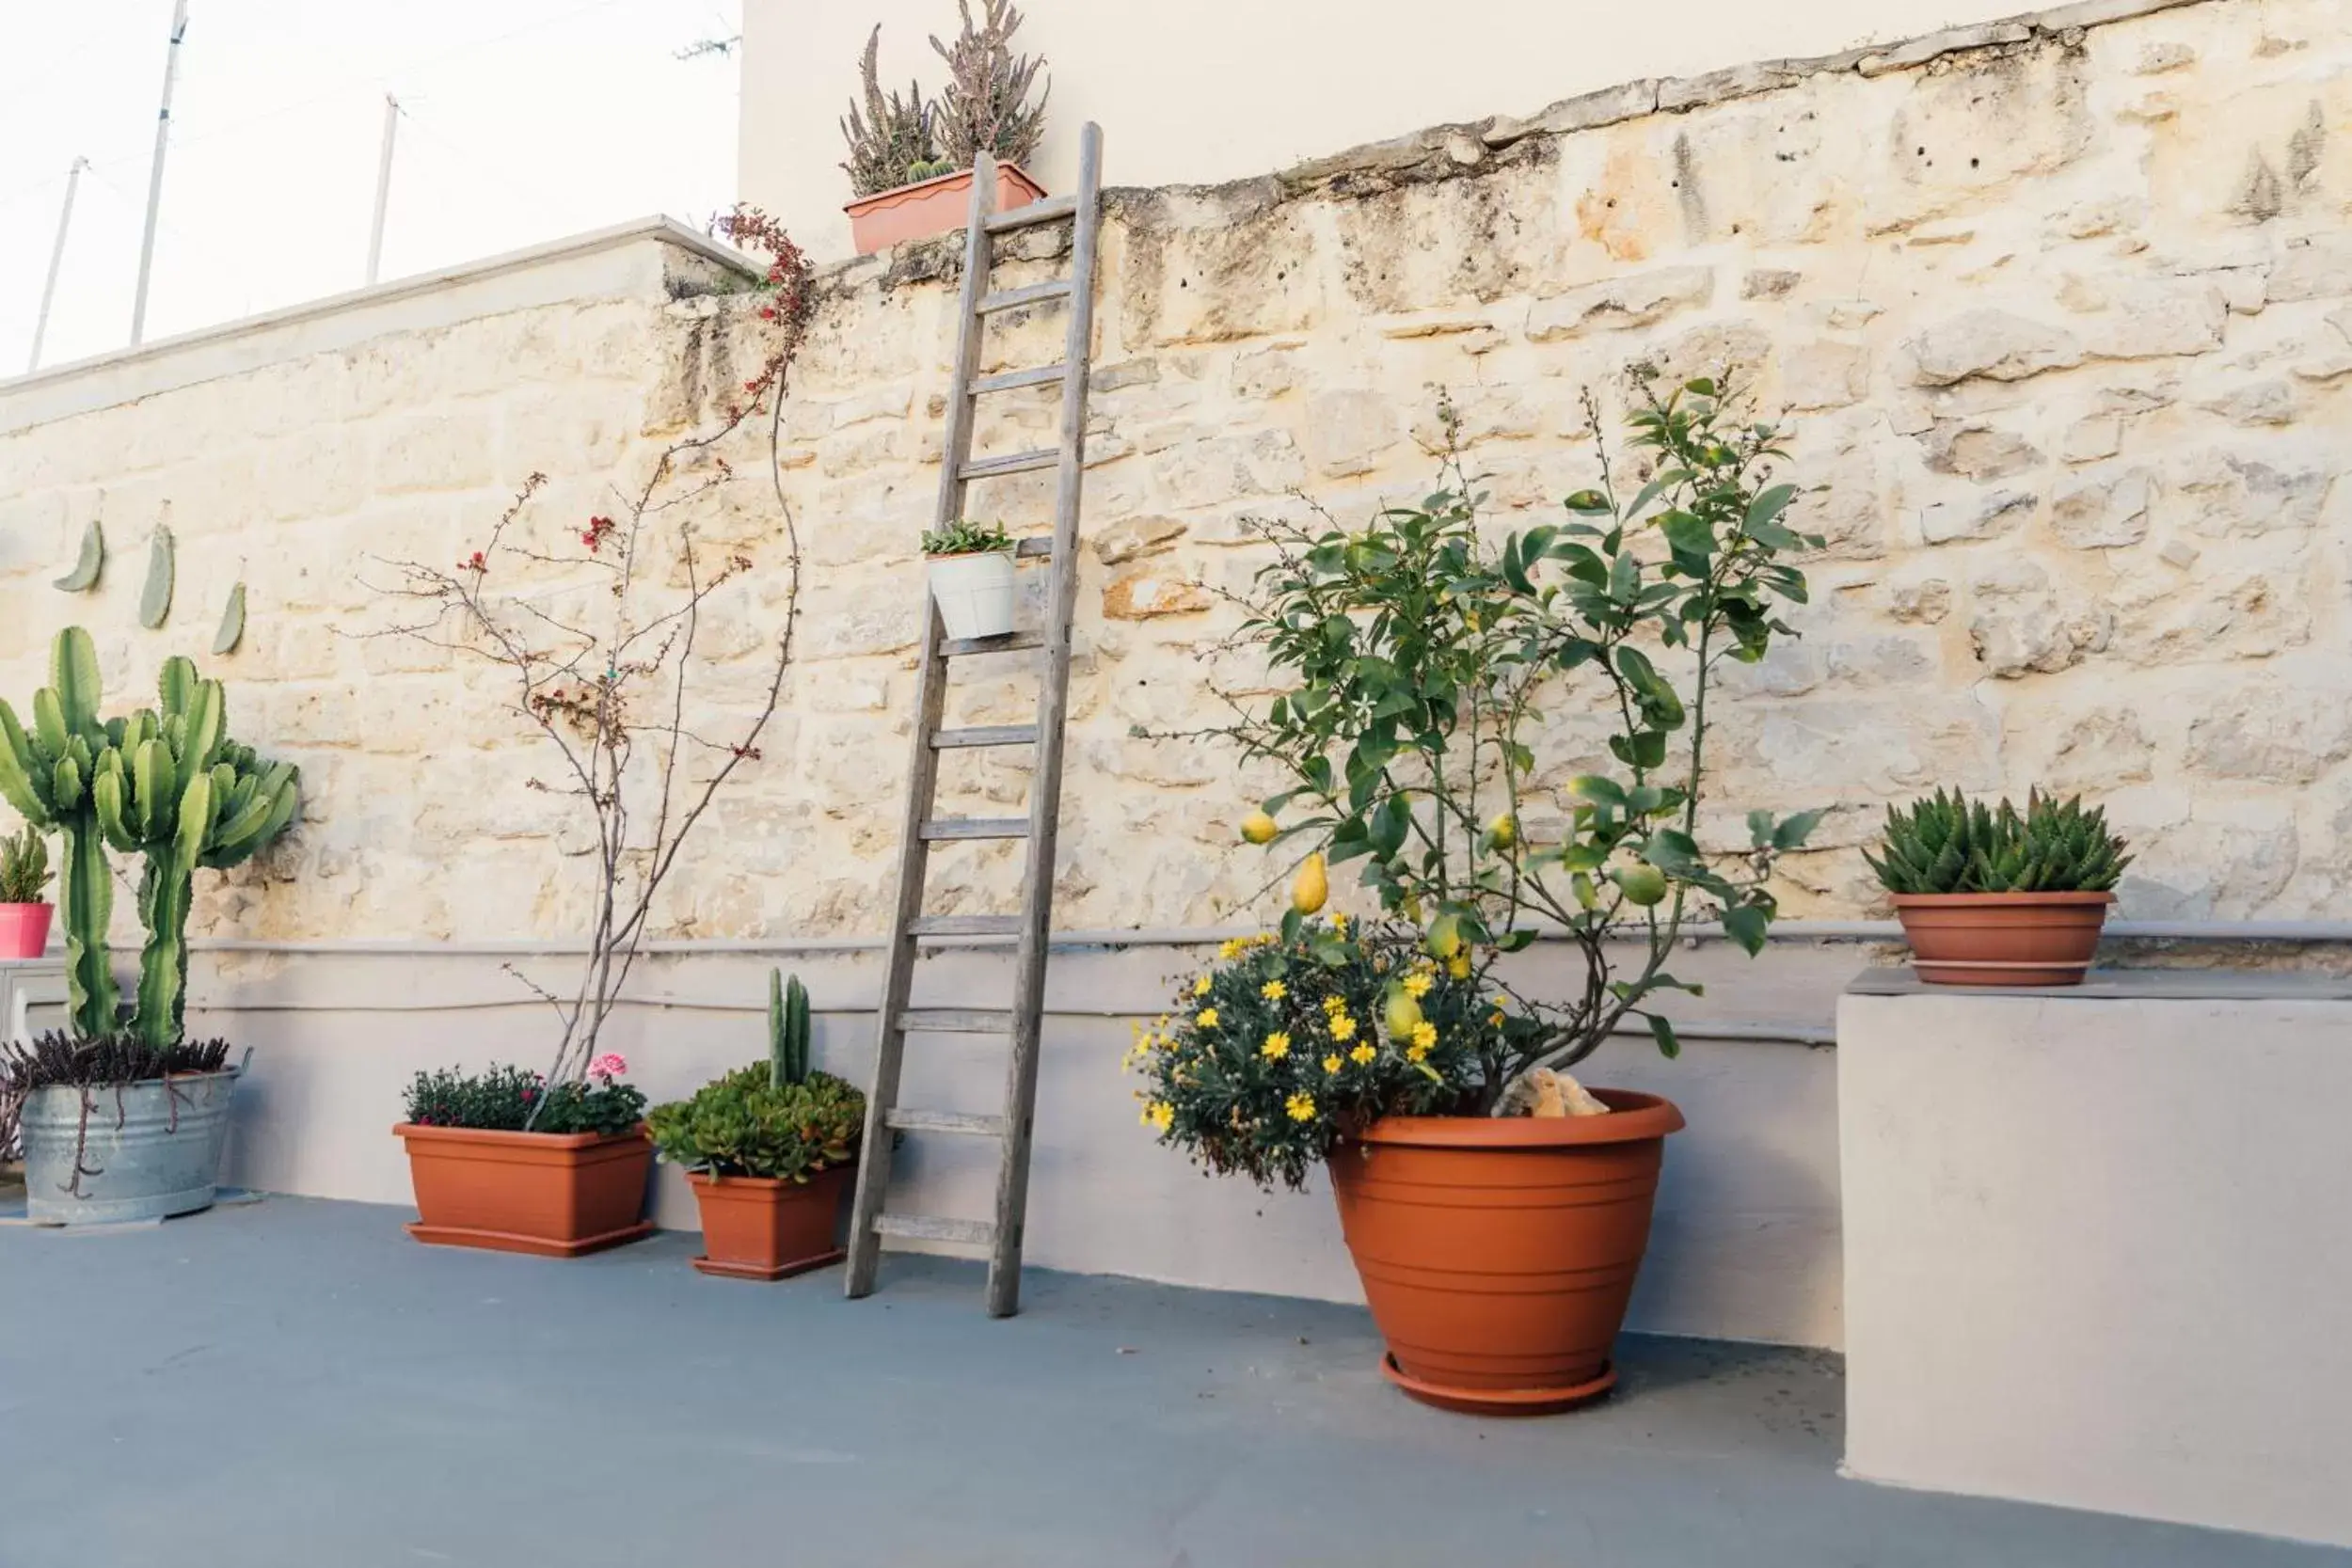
x: 1643, y: 884
x: 1258, y: 828
x: 1313, y: 889
x: 1445, y: 936
x: 1504, y: 830
x: 1402, y: 1015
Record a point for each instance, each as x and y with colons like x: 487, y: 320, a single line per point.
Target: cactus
x: 47, y: 775
x: 23, y: 868
x: 172, y: 787
x: 931, y: 168
x: 1947, y: 844
x: 787, y: 1031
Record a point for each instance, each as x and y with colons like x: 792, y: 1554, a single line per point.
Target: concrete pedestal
x: 32, y: 990
x: 2099, y: 1244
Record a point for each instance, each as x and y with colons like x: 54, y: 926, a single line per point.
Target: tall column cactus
x: 174, y: 789
x: 787, y: 1031
x: 48, y: 775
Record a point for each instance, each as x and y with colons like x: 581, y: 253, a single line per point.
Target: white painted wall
x: 2095, y: 1247
x: 1220, y: 89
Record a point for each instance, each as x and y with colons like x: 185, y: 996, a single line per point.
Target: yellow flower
x: 1424, y: 1034
x: 1417, y: 1053
x: 1301, y: 1107
x: 1459, y: 967
x: 1334, y: 1005
x: 1274, y: 991
x: 1495, y: 1018
x: 1363, y: 1054
x: 1231, y: 949
x: 1417, y: 986
x: 1331, y: 1064
x: 1161, y: 1115
x: 1206, y: 1018
x: 1201, y: 986
x: 1278, y: 1045
x: 1339, y: 925
x: 1343, y: 1028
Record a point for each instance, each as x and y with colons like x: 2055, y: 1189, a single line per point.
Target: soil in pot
x: 755, y: 1227
x: 1498, y: 1254
x: 2003, y: 939
x: 550, y: 1194
x: 931, y: 207
x: 24, y: 929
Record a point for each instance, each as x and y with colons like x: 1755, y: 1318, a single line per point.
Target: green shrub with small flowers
x: 1285, y: 1045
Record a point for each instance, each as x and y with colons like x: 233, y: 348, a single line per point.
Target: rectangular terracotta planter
x: 758, y: 1229
x: 553, y: 1195
x: 932, y: 208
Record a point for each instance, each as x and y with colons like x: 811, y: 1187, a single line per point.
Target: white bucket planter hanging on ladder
x: 975, y: 592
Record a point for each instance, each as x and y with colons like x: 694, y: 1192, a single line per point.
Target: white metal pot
x: 975, y: 592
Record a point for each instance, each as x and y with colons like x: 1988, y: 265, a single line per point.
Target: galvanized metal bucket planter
x: 147, y: 1150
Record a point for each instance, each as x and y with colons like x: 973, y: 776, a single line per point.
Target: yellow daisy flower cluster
x: 1301, y: 1107
x: 1274, y: 991
x: 1278, y: 1045
x: 1331, y: 1064
x: 1417, y: 985
x: 1206, y: 1018
x: 1364, y: 1054
x: 1231, y: 948
x: 1159, y: 1116
x: 1459, y: 966
x: 1201, y: 986
x: 1425, y: 1039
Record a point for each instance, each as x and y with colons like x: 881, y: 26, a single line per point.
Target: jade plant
x: 45, y: 773
x: 1947, y: 844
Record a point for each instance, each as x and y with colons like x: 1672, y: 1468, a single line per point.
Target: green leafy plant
x: 888, y: 134
x: 515, y: 1099
x: 787, y: 1031
x: 747, y: 1124
x: 23, y: 868
x: 1947, y: 843
x: 46, y: 774
x: 1285, y: 1045
x: 1418, y: 658
x: 985, y: 107
x: 962, y: 538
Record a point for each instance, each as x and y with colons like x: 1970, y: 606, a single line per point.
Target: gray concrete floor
x: 296, y: 1383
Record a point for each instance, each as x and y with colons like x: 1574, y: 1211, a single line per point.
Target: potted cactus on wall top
x: 1995, y: 897
x: 23, y: 877
x: 910, y: 159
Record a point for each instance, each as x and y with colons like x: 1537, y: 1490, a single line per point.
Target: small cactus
x: 46, y: 775
x: 23, y: 868
x: 787, y: 1031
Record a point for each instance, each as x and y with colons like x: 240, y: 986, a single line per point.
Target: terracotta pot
x: 555, y: 1194
x: 24, y: 929
x: 935, y: 207
x: 755, y: 1227
x: 2003, y: 939
x: 1498, y: 1254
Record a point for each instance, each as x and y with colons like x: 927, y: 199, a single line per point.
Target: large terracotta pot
x: 933, y: 207
x: 555, y: 1194
x: 1498, y: 1254
x: 755, y: 1227
x: 2003, y: 939
x: 24, y: 929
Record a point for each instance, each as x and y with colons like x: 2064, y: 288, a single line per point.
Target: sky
x: 522, y: 120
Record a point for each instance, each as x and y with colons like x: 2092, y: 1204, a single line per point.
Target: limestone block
x: 1985, y: 517
x: 2091, y: 437
x: 1995, y: 344
x: 454, y: 451
x: 2103, y: 511
x: 1824, y: 375
x: 2272, y: 400
x: 2020, y: 624
x: 2147, y: 321
x: 2316, y: 268
x: 1978, y: 450
x: 1131, y: 538
x: 1227, y: 468
x: 1639, y: 300
x: 2096, y: 752
x: 1347, y: 430
x: 2222, y: 492
x: 2272, y: 732
x: 1142, y: 594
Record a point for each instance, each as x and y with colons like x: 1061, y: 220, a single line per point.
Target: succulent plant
x: 172, y: 787
x: 23, y: 868
x: 918, y: 172
x: 1947, y: 843
x: 887, y: 134
x: 46, y: 775
x: 985, y: 108
x: 787, y: 1031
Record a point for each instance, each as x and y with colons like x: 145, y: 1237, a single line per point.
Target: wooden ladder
x: 884, y: 1118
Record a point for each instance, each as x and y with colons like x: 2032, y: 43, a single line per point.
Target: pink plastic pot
x: 24, y: 929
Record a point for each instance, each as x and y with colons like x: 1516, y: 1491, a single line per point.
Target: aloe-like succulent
x: 887, y: 134
x: 23, y: 868
x: 1947, y: 843
x: 46, y: 774
x: 985, y: 107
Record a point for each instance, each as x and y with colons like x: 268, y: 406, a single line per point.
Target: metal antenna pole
x: 383, y: 187
x: 56, y: 262
x: 155, y: 174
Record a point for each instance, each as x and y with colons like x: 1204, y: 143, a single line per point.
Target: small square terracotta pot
x: 554, y: 1194
x: 758, y: 1229
x: 933, y: 207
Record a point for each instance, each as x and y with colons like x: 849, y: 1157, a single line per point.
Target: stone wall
x: 2064, y: 323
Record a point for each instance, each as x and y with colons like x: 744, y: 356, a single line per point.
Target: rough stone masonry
x: 2061, y: 315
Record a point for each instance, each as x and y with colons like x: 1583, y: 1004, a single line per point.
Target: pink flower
x: 609, y: 1066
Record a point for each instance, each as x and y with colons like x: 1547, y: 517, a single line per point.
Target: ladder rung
x: 976, y: 827
x: 964, y: 926
x: 1011, y: 643
x: 1052, y: 210
x: 924, y: 1227
x: 1012, y: 463
x: 1014, y: 380
x: 944, y: 1121
x: 1014, y: 299
x: 954, y: 1021
x: 986, y: 735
